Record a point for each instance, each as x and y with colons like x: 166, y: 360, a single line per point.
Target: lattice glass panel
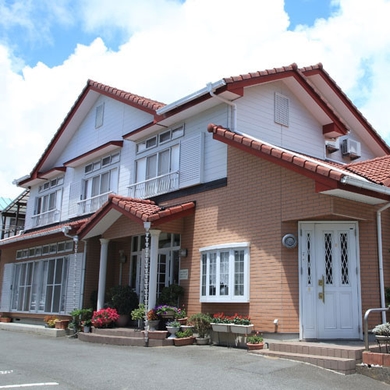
x: 309, y: 265
x: 328, y: 259
x: 344, y: 258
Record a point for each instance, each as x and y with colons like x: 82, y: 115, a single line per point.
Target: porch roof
x: 366, y: 179
x: 139, y: 210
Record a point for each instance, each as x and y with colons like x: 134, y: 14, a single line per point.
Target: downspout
x: 380, y: 258
x: 231, y: 104
x: 65, y: 230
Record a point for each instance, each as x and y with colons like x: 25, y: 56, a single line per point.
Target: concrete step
x: 340, y: 358
x: 122, y: 336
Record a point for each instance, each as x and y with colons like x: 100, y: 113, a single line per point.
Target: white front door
x: 329, y: 281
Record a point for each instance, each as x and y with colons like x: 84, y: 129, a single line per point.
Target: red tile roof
x: 139, y: 210
x: 75, y: 225
x: 152, y: 105
x: 273, y: 152
x: 377, y: 170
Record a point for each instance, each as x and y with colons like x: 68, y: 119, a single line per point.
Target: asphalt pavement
x: 41, y: 362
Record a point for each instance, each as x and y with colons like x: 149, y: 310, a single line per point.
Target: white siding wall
x: 119, y: 119
x: 255, y: 116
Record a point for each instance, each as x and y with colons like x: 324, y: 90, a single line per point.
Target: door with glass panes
x: 329, y: 281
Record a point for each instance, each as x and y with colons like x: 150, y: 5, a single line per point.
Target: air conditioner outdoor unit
x: 332, y: 145
x: 351, y: 148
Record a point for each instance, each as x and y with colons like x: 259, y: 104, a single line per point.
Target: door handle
x: 321, y: 283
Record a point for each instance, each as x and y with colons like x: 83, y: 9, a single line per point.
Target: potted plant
x: 181, y: 315
x: 4, y: 318
x: 382, y: 332
x: 220, y: 323
x: 240, y: 324
x: 171, y: 295
x: 50, y: 321
x: 255, y: 342
x: 183, y: 338
x: 166, y: 311
x: 138, y: 314
x: 153, y: 319
x: 173, y: 327
x: 104, y: 318
x: 86, y: 324
x: 124, y: 299
x: 202, y: 325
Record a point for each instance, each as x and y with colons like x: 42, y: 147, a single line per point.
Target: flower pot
x: 183, y: 341
x: 86, y: 329
x: 123, y: 320
x: 252, y: 347
x: 153, y: 324
x: 203, y: 340
x: 168, y: 314
x: 62, y: 324
x: 221, y: 327
x: 172, y: 330
x: 182, y: 321
x: 241, y: 329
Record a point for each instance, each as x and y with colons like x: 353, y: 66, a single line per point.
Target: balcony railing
x: 92, y: 204
x: 156, y: 186
x: 46, y: 218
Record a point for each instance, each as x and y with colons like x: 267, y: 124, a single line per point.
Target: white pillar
x: 153, y: 267
x: 102, y: 272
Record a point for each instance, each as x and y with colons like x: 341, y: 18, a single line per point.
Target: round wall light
x: 289, y: 241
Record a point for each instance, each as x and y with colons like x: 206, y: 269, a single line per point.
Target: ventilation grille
x: 281, y: 109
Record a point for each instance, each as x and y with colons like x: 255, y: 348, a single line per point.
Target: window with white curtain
x: 225, y: 273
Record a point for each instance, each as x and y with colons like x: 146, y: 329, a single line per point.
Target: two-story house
x: 263, y: 194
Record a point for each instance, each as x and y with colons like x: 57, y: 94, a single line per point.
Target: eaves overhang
x: 329, y: 179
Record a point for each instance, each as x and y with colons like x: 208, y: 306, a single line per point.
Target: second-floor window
x: 48, y: 203
x: 158, y: 172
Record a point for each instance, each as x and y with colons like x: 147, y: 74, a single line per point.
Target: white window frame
x: 209, y: 294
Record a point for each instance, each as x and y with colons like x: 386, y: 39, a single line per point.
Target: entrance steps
x: 122, y: 336
x: 342, y: 358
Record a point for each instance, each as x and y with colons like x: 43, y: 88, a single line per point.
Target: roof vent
x: 351, y: 148
x: 332, y: 145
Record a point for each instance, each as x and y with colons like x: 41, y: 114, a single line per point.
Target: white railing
x: 92, y: 204
x: 46, y: 218
x: 156, y: 186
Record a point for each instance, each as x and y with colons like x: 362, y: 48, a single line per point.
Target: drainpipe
x: 380, y: 259
x: 231, y: 104
x: 65, y: 230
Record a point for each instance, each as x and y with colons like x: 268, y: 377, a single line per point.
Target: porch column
x: 153, y: 267
x: 102, y: 272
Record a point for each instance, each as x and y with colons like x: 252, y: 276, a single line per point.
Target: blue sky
x: 167, y: 49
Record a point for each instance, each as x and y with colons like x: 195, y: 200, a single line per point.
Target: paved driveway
x: 39, y: 362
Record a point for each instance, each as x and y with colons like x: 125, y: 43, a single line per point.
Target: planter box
x: 221, y: 327
x: 184, y: 341
x: 157, y: 334
x: 241, y: 329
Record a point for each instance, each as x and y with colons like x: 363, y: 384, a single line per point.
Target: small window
x: 99, y: 116
x: 179, y: 132
x: 164, y: 137
x: 282, y: 104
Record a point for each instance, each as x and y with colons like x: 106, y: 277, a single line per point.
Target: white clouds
x: 171, y: 49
